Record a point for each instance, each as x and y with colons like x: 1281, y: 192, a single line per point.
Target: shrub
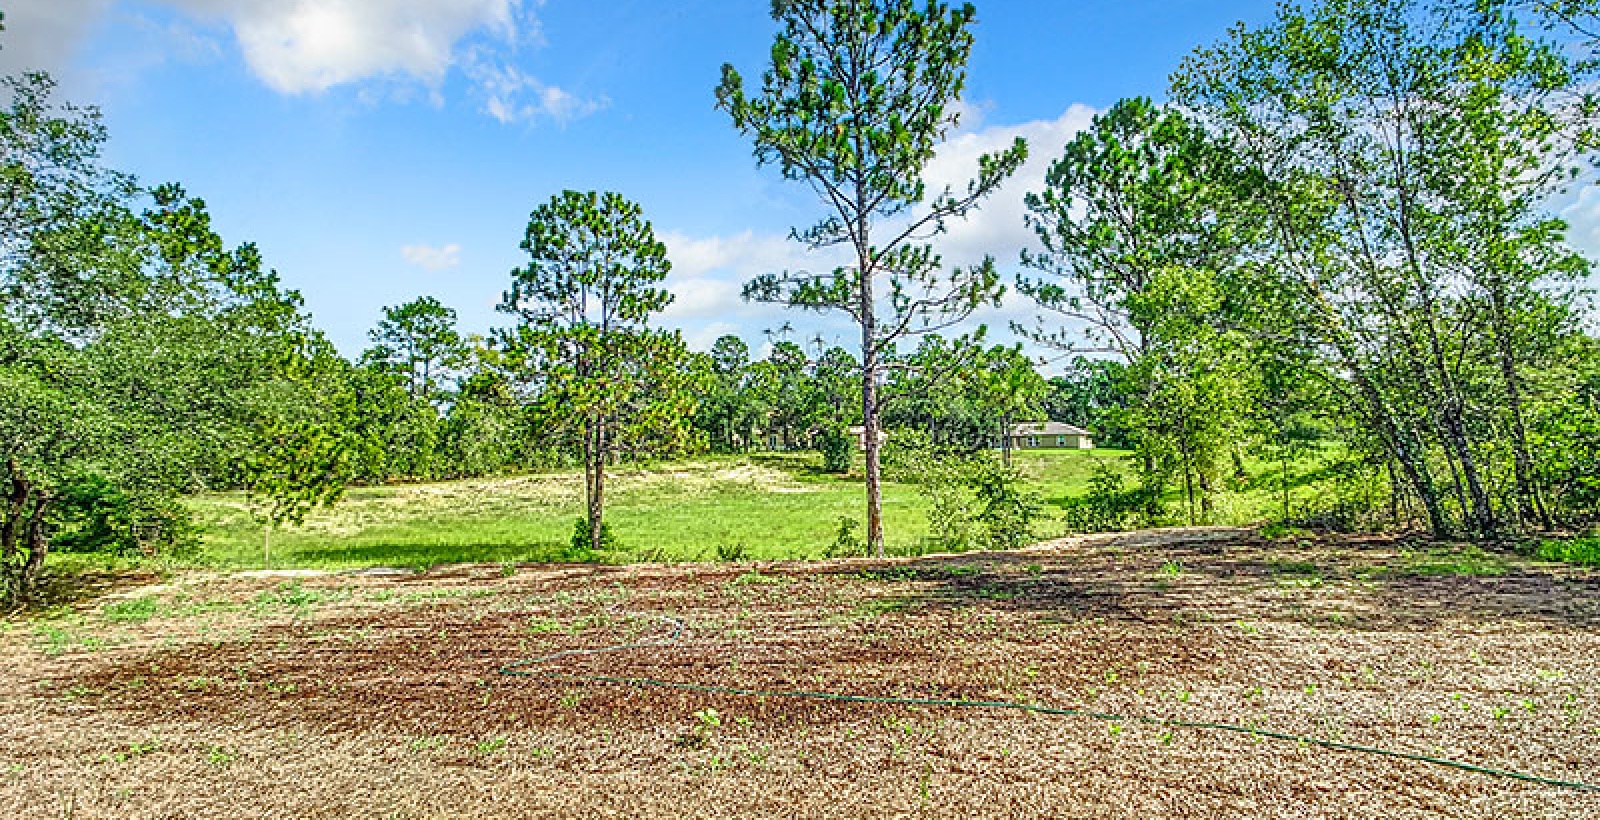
x: 1585, y: 551
x: 846, y: 543
x: 1347, y: 495
x: 582, y: 547
x: 92, y: 515
x: 973, y: 501
x: 837, y: 446
x: 1004, y: 516
x: 1108, y: 507
x: 942, y: 477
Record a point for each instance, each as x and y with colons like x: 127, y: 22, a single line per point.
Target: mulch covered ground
x: 381, y: 696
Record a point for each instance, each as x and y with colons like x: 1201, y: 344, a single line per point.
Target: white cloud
x: 709, y: 272
x: 745, y: 255
x: 1583, y: 221
x: 43, y: 34
x: 430, y: 258
x: 998, y: 228
x: 310, y: 46
x: 511, y: 95
x: 298, y: 46
x: 703, y: 338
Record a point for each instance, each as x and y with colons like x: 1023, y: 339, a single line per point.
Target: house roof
x: 1047, y: 428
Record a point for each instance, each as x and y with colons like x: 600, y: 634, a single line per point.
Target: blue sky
x: 378, y: 150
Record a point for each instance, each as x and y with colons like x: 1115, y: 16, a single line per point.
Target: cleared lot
x: 382, y: 695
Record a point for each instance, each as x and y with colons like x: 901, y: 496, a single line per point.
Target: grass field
x: 322, y: 695
x: 774, y: 505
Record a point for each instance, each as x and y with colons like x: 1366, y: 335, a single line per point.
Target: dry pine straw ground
x: 341, y: 696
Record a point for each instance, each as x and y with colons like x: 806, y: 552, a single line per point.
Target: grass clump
x: 133, y: 610
x: 1471, y: 562
x: 288, y: 595
x: 1583, y: 551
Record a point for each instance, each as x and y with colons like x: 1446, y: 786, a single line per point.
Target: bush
x: 1279, y: 531
x: 1348, y: 495
x: 846, y: 543
x: 838, y: 448
x: 1005, y: 515
x: 973, y: 501
x: 906, y: 455
x: 1108, y: 507
x: 582, y: 547
x: 92, y: 515
x: 1584, y: 551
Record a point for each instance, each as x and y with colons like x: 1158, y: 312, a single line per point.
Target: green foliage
x: 583, y: 544
x: 1566, y: 431
x: 972, y: 500
x: 1007, y: 388
x: 135, y: 347
x: 1109, y: 507
x: 941, y: 478
x: 731, y: 552
x: 583, y: 305
x: 838, y: 447
x: 1093, y: 394
x: 1004, y: 515
x: 730, y: 411
x: 418, y: 341
x: 94, y: 515
x: 857, y: 98
x: 1279, y: 531
x: 1407, y: 257
x: 1143, y: 235
x: 1584, y: 551
x: 301, y: 454
x: 1350, y: 495
x: 846, y: 543
x: 935, y: 390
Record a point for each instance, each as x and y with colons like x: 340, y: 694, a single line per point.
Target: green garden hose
x: 522, y: 668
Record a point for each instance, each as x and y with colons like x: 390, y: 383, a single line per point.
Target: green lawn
x: 775, y: 505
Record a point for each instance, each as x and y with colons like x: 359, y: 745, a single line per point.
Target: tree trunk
x: 1283, y: 451
x: 1482, y: 510
x: 869, y: 413
x: 16, y: 506
x: 597, y: 488
x: 1530, y: 507
x: 38, y: 546
x: 1455, y: 477
x: 1005, y: 440
x: 869, y: 375
x: 1422, y: 484
x: 1394, y: 494
x: 1401, y: 443
x: 11, y: 587
x: 1188, y: 480
x: 266, y: 545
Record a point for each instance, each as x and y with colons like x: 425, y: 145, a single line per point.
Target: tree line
x: 1337, y: 235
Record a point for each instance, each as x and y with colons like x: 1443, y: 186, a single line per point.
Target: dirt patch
x: 338, y: 696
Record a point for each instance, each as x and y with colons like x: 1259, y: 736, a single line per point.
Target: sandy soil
x: 380, y: 695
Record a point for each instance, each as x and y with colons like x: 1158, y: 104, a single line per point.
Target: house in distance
x: 1050, y: 435
x: 860, y: 434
